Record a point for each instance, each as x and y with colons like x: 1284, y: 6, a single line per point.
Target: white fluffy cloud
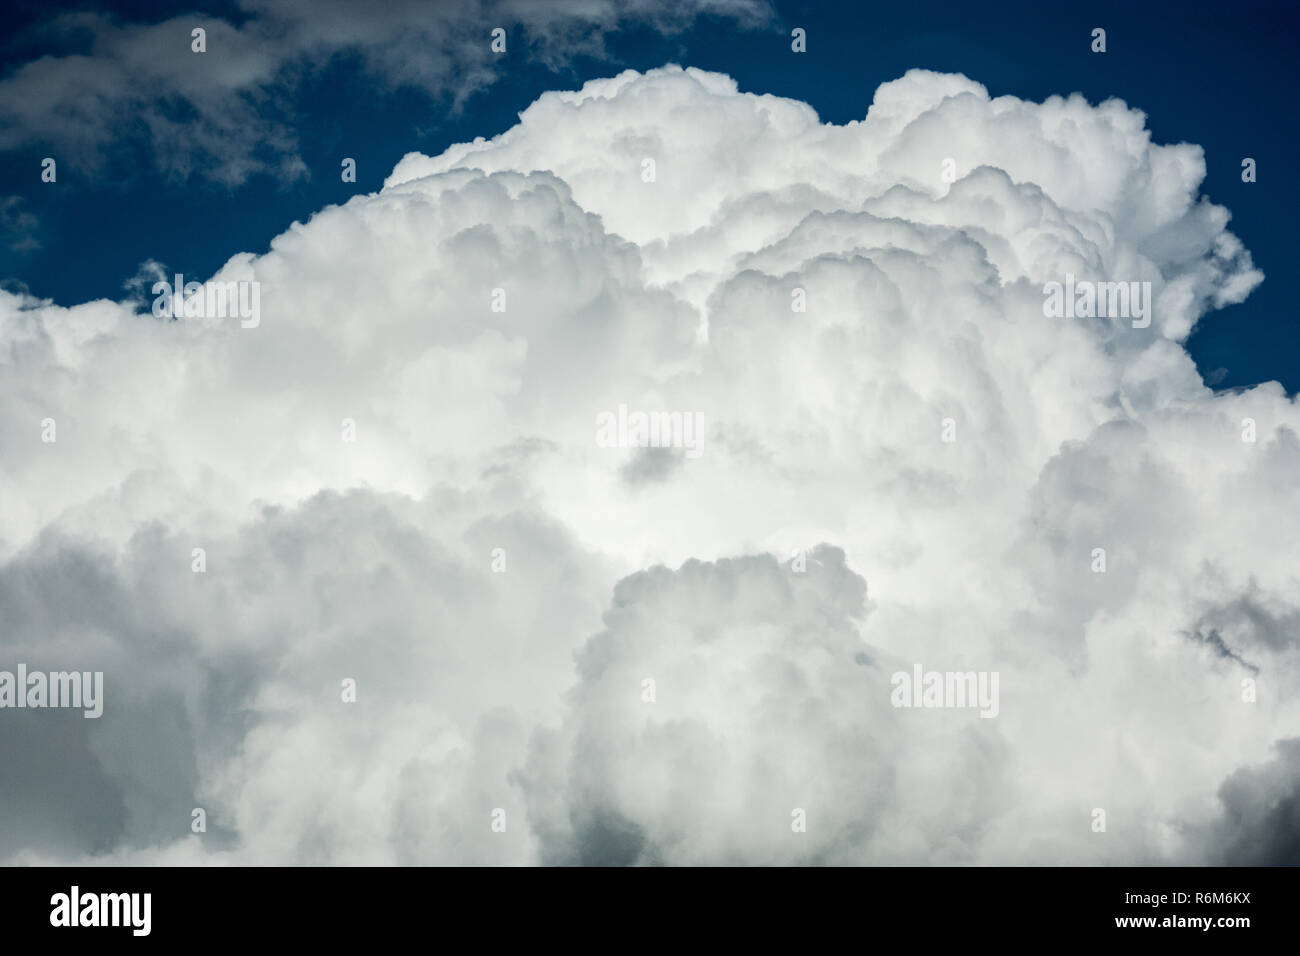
x: 476, y: 430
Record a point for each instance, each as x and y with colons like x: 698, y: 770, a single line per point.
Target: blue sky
x: 1217, y: 75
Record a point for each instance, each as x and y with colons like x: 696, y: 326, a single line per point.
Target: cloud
x: 1260, y: 824
x: 226, y: 114
x: 950, y: 464
x: 18, y: 226
x: 764, y: 705
x: 226, y: 687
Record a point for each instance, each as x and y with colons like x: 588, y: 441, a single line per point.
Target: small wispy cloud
x: 227, y: 112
